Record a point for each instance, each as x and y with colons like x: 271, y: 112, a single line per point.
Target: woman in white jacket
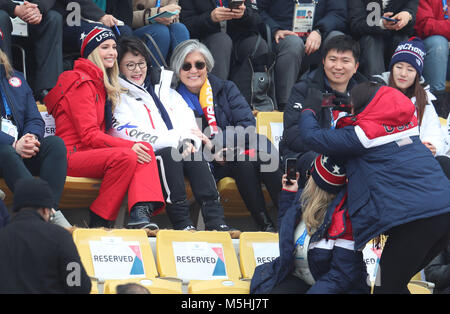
x: 406, y: 75
x: 169, y: 126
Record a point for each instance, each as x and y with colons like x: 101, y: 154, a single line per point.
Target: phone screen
x: 235, y: 4
x: 291, y: 169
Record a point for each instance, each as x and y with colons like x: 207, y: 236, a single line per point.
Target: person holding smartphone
x: 316, y: 244
x: 230, y: 33
x: 380, y: 26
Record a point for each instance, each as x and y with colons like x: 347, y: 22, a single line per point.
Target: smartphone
x: 327, y: 99
x: 291, y: 170
x: 235, y: 4
x: 389, y: 19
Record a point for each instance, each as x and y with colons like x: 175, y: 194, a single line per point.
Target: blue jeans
x: 436, y: 61
x: 166, y: 37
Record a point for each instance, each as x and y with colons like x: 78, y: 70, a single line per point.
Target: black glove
x: 313, y: 100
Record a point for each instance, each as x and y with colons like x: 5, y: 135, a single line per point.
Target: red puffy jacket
x: 430, y: 19
x: 77, y: 102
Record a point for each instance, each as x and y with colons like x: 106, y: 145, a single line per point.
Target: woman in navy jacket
x: 395, y: 185
x: 27, y: 153
x: 316, y: 254
x: 230, y: 129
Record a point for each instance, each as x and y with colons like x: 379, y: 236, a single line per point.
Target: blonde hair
x: 110, y: 78
x: 314, y: 202
x: 5, y: 61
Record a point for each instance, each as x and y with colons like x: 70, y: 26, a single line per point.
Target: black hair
x: 134, y: 45
x: 362, y: 94
x: 131, y: 288
x: 342, y: 43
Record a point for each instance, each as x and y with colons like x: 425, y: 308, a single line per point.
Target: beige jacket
x: 142, y: 9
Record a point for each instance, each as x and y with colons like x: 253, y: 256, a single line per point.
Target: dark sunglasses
x: 200, y: 65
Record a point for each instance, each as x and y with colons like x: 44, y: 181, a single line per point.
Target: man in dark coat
x: 378, y: 37
x: 330, y: 19
x: 337, y: 74
x: 37, y: 256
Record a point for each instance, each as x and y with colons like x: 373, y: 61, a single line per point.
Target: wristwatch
x: 318, y: 31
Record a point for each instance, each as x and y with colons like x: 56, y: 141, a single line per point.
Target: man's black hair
x: 342, y: 43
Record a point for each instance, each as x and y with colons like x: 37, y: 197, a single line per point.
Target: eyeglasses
x: 132, y: 66
x: 200, y: 65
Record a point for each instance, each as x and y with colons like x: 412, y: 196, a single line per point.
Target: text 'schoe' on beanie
x: 411, y: 51
x: 32, y: 192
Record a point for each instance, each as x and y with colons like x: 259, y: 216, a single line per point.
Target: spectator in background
x: 223, y: 112
x: 378, y: 37
x: 132, y: 288
x: 45, y: 36
x: 406, y: 68
x: 330, y: 18
x: 167, y: 32
x: 91, y: 12
x: 223, y: 30
x: 82, y: 104
x: 433, y: 26
x: 438, y: 272
x: 317, y: 252
x: 337, y: 75
x: 24, y: 152
x: 38, y: 257
x: 168, y: 124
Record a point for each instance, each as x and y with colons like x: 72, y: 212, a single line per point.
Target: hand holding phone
x: 291, y: 170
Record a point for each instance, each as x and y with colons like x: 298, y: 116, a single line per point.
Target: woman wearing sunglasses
x: 168, y: 125
x: 221, y: 108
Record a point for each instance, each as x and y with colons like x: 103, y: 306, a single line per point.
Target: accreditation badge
x: 9, y: 128
x: 303, y: 19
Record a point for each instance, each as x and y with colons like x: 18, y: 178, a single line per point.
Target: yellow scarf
x: 206, y: 100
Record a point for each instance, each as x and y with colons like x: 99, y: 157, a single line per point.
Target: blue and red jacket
x: 393, y: 178
x: 336, y: 268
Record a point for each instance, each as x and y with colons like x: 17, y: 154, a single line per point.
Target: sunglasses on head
x: 200, y: 65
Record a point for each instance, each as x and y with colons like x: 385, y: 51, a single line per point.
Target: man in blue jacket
x: 329, y: 20
x: 336, y: 75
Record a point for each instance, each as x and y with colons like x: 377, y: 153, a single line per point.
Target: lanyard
x: 445, y: 8
x: 5, y: 103
x: 301, y: 240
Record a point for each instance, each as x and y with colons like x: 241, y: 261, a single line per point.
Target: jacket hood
x: 388, y: 117
x: 83, y: 70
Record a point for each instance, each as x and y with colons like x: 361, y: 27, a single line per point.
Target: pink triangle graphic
x: 136, y: 250
x: 377, y: 252
x: 219, y: 252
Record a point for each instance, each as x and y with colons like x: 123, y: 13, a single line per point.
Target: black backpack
x: 254, y: 77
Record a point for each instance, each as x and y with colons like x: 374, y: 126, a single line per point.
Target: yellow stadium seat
x: 417, y: 289
x: 247, y: 244
x: 219, y: 286
x: 270, y: 124
x: 154, y: 285
x: 141, y: 253
x: 198, y: 257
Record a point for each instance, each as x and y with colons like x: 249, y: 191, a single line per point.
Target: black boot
x: 95, y: 221
x: 140, y: 217
x: 263, y: 222
x: 440, y: 104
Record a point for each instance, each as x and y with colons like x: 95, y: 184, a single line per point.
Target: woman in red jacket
x: 81, y: 103
x: 433, y: 26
